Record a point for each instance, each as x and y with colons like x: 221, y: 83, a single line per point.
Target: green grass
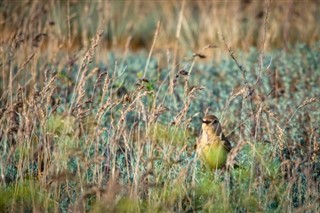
x: 86, y: 129
x: 136, y: 152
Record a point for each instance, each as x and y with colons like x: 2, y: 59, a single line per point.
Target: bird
x: 212, y: 146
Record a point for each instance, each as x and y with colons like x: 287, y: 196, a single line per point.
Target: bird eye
x: 215, y: 122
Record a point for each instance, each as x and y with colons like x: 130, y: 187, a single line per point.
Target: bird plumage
x: 212, y: 146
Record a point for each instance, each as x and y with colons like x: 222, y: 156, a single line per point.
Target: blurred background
x: 132, y: 24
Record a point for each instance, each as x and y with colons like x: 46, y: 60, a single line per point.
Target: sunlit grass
x: 83, y: 128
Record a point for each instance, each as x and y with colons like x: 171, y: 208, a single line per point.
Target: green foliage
x: 123, y: 151
x: 167, y: 135
x: 25, y: 196
x: 61, y: 125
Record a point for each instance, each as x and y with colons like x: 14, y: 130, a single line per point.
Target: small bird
x: 212, y: 146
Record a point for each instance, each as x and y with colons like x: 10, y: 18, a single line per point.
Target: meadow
x: 101, y: 105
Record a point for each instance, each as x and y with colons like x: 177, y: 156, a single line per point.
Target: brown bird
x: 212, y: 146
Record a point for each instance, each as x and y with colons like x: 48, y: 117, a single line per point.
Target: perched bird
x: 212, y: 146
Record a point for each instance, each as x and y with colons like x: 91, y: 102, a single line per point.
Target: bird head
x: 211, y: 125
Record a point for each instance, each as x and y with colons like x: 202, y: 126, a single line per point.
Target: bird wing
x: 226, y: 143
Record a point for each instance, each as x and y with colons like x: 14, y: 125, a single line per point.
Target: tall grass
x: 82, y: 130
x: 72, y: 23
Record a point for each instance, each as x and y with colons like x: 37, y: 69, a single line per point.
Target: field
x: 101, y: 105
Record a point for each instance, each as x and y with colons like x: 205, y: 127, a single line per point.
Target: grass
x: 70, y: 24
x: 84, y: 128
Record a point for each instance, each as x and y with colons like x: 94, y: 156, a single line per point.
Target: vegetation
x: 101, y: 105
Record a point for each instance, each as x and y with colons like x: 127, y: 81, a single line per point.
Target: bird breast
x: 211, y: 150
